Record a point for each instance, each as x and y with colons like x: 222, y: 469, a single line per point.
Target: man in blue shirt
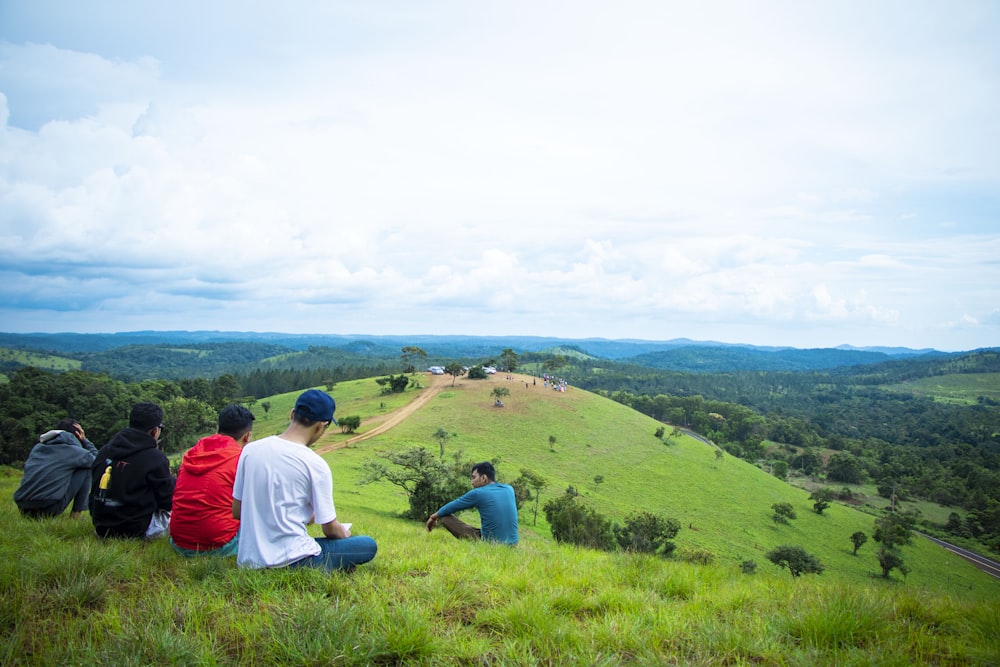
x: 496, y: 505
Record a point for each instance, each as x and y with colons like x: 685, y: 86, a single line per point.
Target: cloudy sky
x: 776, y: 173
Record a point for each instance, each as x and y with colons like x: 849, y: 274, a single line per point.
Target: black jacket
x: 140, y: 484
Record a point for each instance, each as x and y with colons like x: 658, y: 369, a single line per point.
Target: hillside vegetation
x: 428, y: 599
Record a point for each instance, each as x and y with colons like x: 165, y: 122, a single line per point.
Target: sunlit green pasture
x: 39, y: 360
x: 955, y: 388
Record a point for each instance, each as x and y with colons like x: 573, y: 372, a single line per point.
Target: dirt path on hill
x: 382, y: 423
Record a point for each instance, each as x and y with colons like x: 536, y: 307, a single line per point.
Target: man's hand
x: 431, y: 522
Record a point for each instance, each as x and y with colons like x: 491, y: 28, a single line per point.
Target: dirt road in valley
x: 382, y: 423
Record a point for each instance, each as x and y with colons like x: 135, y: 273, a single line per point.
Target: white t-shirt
x: 281, y: 486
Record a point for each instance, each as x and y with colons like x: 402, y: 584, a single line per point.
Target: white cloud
x: 788, y: 172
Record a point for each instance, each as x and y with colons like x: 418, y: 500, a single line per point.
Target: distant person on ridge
x: 57, y: 472
x: 132, y: 486
x: 496, y: 505
x: 282, y: 486
x: 202, y: 523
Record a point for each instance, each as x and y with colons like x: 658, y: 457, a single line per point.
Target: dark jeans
x: 78, y: 492
x: 459, y: 528
x: 341, y: 554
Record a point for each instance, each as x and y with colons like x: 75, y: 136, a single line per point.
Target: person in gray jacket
x: 57, y: 472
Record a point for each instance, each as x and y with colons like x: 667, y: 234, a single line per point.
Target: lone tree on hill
x: 891, y: 532
x: 823, y: 497
x: 530, y: 485
x: 795, y: 559
x: 409, y: 355
x: 498, y: 393
x: 455, y: 370
x: 858, y: 538
x: 442, y: 437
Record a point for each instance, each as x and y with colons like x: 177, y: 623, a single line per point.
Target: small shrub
x: 748, y: 567
x: 696, y: 555
x: 575, y: 523
x: 645, y: 532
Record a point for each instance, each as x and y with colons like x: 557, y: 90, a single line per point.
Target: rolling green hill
x: 17, y: 358
x: 724, y: 506
x: 965, y: 388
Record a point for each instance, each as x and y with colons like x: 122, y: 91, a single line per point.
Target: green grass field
x: 44, y: 361
x: 963, y: 388
x: 427, y: 599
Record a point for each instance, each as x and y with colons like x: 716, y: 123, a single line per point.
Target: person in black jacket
x: 57, y: 472
x: 132, y: 489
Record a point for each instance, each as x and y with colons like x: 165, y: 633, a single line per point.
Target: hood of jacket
x: 58, y: 438
x: 127, y: 442
x: 210, y: 453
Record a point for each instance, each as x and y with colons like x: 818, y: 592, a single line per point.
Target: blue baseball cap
x: 316, y: 405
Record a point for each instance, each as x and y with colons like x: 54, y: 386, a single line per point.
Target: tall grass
x: 67, y: 597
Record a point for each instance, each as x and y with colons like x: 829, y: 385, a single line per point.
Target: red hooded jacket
x: 202, y: 518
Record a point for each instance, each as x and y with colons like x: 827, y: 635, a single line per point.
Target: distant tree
x: 410, y: 354
x: 858, y: 538
x: 795, y: 559
x: 455, y: 370
x: 329, y: 384
x: 554, y: 363
x: 780, y: 469
x: 645, y: 532
x: 822, y: 497
x: 349, y: 424
x: 552, y: 442
x: 266, y: 405
x: 529, y: 487
x: 185, y: 421
x: 748, y: 567
x: 659, y: 432
x: 575, y: 523
x: 892, y: 531
x: 499, y: 393
x: 509, y: 360
x: 719, y: 454
x: 598, y: 479
x: 477, y: 372
x: 442, y: 436
x: 783, y: 512
x: 225, y: 389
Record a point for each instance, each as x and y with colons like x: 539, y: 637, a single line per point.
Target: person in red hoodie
x: 202, y: 521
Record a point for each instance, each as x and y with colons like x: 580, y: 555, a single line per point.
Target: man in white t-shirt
x: 282, y: 486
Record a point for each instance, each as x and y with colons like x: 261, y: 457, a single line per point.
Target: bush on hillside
x: 575, y: 523
x: 645, y: 532
x: 349, y: 424
x: 796, y: 559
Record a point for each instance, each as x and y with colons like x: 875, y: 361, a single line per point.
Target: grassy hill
x: 965, y: 388
x: 49, y: 362
x: 428, y: 599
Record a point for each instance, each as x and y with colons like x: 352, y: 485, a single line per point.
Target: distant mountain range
x: 456, y: 345
x: 138, y: 355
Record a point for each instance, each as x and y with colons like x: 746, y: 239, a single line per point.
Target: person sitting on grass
x: 57, y: 472
x: 496, y: 505
x: 132, y: 485
x: 202, y: 523
x: 282, y: 486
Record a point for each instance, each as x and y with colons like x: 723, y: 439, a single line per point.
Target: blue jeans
x: 340, y: 554
x: 227, y: 549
